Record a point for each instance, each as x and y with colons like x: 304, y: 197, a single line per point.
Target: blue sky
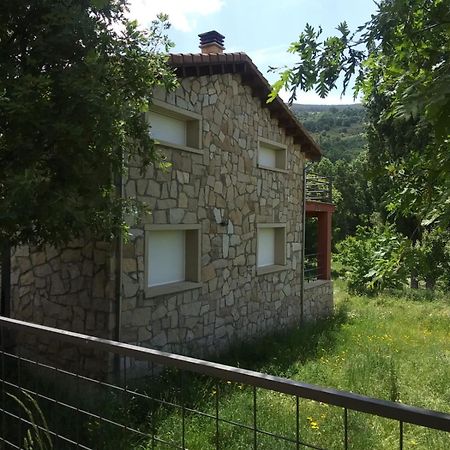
x: 262, y: 29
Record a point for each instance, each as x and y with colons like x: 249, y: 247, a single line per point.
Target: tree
x: 375, y: 258
x: 401, y: 61
x: 76, y: 78
x: 352, y: 194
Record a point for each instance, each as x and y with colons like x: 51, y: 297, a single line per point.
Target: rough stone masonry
x: 222, y: 189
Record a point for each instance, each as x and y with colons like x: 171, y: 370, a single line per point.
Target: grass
x: 390, y: 347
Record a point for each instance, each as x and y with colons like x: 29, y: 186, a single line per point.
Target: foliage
x: 76, y: 78
x: 384, y: 347
x: 37, y: 436
x: 339, y: 130
x: 352, y: 194
x: 371, y: 346
x: 375, y: 259
x: 401, y: 57
x: 431, y: 256
x: 379, y: 258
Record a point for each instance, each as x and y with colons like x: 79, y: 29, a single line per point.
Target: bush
x: 375, y: 259
x: 432, y: 257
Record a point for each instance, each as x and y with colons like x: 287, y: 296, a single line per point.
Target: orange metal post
x: 324, y: 245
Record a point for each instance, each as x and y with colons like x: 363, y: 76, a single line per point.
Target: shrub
x: 375, y: 259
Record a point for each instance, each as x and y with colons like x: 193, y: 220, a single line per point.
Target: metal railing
x: 318, y: 188
x: 312, y: 269
x: 117, y: 410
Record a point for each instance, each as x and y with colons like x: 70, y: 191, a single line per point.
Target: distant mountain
x: 338, y: 129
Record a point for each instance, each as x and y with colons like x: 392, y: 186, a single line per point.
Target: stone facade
x: 221, y: 189
x: 70, y: 288
x: 224, y: 191
x: 317, y: 299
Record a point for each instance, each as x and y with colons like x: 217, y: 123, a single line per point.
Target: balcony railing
x: 312, y: 270
x: 87, y: 408
x: 318, y: 188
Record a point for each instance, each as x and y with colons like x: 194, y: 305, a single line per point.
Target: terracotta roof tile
x: 186, y: 64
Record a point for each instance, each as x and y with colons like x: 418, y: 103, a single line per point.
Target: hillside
x: 338, y: 129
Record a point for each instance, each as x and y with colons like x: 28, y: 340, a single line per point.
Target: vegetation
x: 385, y: 347
x: 339, y: 130
x: 403, y: 71
x: 352, y: 194
x: 76, y: 78
x: 392, y: 346
x: 37, y: 436
x: 401, y: 56
x: 379, y: 257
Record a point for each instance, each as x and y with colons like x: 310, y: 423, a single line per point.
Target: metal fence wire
x: 65, y: 390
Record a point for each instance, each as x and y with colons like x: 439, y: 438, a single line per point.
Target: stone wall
x: 222, y: 183
x: 70, y: 288
x: 318, y: 299
x: 224, y: 191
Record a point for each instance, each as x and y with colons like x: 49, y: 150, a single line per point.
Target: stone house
x: 220, y: 259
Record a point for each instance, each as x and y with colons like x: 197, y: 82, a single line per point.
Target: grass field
x: 388, y: 347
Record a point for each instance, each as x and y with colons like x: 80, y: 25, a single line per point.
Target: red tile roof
x: 198, y: 64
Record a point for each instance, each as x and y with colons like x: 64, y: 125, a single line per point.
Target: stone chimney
x: 211, y: 42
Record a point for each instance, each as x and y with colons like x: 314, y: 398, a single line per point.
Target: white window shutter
x: 266, y: 247
x: 167, y: 128
x: 166, y: 257
x: 267, y: 156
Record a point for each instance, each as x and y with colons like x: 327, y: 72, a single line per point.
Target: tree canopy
x: 339, y: 130
x: 401, y: 61
x: 75, y: 80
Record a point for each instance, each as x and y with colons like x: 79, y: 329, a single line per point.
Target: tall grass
x: 388, y: 347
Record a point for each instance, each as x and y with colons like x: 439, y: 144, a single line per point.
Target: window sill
x: 273, y: 169
x: 179, y: 147
x: 171, y: 288
x: 270, y: 269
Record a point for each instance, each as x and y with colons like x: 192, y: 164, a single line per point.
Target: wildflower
x: 312, y: 423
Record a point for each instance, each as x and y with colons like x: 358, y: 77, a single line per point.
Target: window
x: 271, y: 155
x: 172, y: 258
x: 175, y: 127
x: 271, y: 247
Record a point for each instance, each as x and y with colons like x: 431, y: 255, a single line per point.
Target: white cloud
x: 182, y: 13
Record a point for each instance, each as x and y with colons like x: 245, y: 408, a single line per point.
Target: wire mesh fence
x: 65, y: 390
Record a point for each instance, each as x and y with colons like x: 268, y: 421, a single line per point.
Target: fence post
x: 5, y: 283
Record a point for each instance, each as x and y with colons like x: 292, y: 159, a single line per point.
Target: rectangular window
x: 266, y: 247
x: 271, y: 247
x: 272, y: 155
x: 175, y: 127
x: 167, y: 129
x: 166, y: 257
x: 172, y: 258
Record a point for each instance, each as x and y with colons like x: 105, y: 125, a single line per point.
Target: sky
x: 262, y: 29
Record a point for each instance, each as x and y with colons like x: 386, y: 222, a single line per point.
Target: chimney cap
x: 211, y: 37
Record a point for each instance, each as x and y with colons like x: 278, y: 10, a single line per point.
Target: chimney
x: 211, y: 42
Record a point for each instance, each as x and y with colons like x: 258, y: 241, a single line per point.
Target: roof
x: 198, y: 64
